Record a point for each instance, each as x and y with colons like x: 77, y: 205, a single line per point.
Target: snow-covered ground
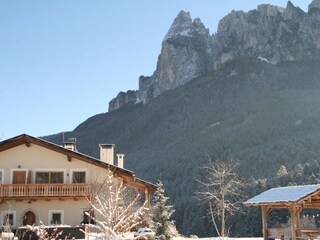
x: 130, y: 237
x: 216, y: 238
x: 184, y: 238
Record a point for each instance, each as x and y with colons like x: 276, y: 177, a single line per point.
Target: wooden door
x: 19, y: 177
x: 29, y: 218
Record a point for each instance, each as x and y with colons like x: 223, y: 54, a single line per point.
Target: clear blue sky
x: 62, y: 61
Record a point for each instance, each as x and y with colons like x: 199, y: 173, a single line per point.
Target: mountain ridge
x: 271, y: 33
x: 263, y: 114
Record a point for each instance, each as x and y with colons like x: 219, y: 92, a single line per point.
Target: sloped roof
x: 121, y: 172
x: 283, y: 194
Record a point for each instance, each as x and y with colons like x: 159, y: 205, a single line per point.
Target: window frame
x: 2, y: 176
x: 14, y: 218
x: 51, y: 212
x: 63, y: 171
x: 78, y: 170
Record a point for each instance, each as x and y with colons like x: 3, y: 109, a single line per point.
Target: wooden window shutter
x: 29, y: 177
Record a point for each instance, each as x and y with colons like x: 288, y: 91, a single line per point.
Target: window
x: 1, y: 176
x: 56, y: 217
x: 42, y: 177
x: 79, y: 177
x: 9, y: 218
x: 49, y: 177
x: 56, y: 177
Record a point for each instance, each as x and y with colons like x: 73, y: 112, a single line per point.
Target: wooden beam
x: 147, y: 197
x: 293, y: 211
x: 298, y: 233
x: 265, y: 211
x: 28, y: 144
x: 69, y: 158
x: 311, y: 205
x: 272, y: 205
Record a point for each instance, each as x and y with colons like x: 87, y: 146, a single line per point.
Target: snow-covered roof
x: 283, y: 194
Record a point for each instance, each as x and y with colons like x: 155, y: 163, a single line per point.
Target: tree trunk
x: 222, y: 208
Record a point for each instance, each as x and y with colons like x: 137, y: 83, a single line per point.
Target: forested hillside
x: 263, y: 114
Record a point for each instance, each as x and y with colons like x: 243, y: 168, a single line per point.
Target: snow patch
x: 262, y: 59
x: 213, y: 125
x: 185, y: 33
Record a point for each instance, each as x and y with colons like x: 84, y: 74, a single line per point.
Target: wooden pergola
x: 293, y: 198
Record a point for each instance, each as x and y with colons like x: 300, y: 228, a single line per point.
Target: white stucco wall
x: 36, y: 158
x: 72, y: 211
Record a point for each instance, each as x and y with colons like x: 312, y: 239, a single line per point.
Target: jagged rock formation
x: 123, y: 99
x: 269, y: 33
x: 186, y: 53
x: 314, y: 6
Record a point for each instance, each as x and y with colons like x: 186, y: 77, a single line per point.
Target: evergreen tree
x: 161, y: 214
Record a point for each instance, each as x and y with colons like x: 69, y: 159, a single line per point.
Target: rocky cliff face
x: 123, y: 99
x: 314, y: 6
x: 186, y: 53
x: 269, y: 33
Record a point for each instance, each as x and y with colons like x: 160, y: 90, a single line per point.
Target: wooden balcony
x: 44, y: 191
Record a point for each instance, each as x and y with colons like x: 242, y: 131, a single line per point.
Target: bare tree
x: 221, y: 189
x: 114, y: 215
x: 282, y: 171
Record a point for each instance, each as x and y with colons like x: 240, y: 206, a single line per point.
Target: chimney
x: 70, y: 144
x: 120, y: 157
x: 107, y: 153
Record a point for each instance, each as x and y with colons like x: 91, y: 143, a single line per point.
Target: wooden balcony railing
x: 8, y: 191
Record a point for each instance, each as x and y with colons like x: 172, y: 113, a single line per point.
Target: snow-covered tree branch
x: 116, y: 210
